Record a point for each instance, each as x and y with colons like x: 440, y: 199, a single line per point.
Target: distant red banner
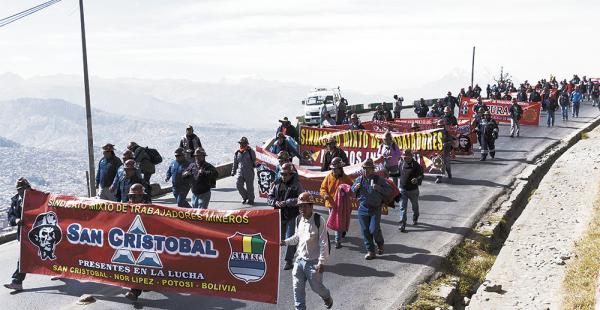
x: 499, y: 110
x: 231, y: 254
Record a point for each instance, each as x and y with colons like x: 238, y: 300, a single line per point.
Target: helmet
x: 132, y: 145
x: 354, y: 116
x: 243, y: 140
x: 305, y: 198
x: 199, y: 152
x: 22, y: 183
x: 129, y: 164
x: 368, y: 164
x: 178, y: 151
x: 288, y: 168
x: 447, y: 109
x: 136, y: 189
x: 336, y: 162
x: 283, y: 155
x: 127, y: 154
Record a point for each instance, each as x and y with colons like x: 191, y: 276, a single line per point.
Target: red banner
x: 231, y: 254
x: 499, y: 110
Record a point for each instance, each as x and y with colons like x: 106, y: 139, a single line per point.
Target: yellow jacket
x: 330, y: 185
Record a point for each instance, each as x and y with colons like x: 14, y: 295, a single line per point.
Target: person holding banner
x: 447, y: 140
x: 14, y: 219
x: 284, y: 195
x: 370, y: 190
x: 329, y: 191
x: 488, y: 132
x: 448, y: 117
x: 311, y: 240
x: 480, y: 105
x: 130, y: 176
x: 332, y: 152
x: 391, y: 154
x: 355, y: 123
x: 136, y: 195
x: 515, y: 112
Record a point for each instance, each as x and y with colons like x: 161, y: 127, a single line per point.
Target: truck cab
x: 314, y: 101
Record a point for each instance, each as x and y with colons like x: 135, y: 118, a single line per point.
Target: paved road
x: 447, y: 211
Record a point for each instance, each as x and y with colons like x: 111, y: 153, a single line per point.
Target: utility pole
x: 88, y: 109
x: 473, y: 66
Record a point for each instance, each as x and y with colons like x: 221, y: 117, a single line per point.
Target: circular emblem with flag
x: 247, y: 260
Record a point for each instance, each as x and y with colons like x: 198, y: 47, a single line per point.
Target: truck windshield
x: 315, y: 100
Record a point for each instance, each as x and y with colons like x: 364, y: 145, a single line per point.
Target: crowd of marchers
x: 304, y: 232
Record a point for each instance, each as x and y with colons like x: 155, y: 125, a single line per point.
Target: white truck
x: 314, y: 101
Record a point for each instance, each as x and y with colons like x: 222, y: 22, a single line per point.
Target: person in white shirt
x: 311, y: 253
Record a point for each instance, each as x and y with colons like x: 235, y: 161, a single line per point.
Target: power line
x: 7, y: 20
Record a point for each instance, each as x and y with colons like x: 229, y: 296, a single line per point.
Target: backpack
x: 154, y: 155
x: 317, y: 219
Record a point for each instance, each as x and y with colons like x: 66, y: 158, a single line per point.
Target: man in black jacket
x: 204, y: 177
x: 287, y: 129
x: 332, y: 152
x: 411, y: 176
x: 284, y: 195
x: 144, y: 163
x: 189, y: 142
x: 14, y: 219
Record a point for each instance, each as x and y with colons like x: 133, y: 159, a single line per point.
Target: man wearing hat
x: 397, y: 106
x: 203, y: 177
x: 180, y: 186
x: 287, y: 129
x: 328, y: 121
x: 136, y: 195
x: 107, y: 171
x: 283, y: 157
x: 480, y: 105
x: 450, y: 101
x: 329, y: 189
x: 144, y: 163
x: 355, y: 123
x: 447, y: 140
x: 487, y: 130
x: 331, y: 152
x: 130, y: 176
x: 189, y: 142
x: 127, y: 155
x: 448, y: 117
x: 284, y: 195
x: 411, y: 176
x: 244, y: 162
x: 379, y: 114
x: 435, y: 109
x: 282, y: 144
x: 370, y: 190
x: 516, y: 112
x: 312, y: 241
x: 421, y: 108
x: 14, y: 219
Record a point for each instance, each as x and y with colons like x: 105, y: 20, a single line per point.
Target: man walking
x: 411, y: 176
x: 312, y: 244
x: 446, y: 151
x: 564, y: 103
x: 14, y: 219
x: 180, y: 187
x: 136, y: 195
x: 515, y: 112
x: 204, y: 177
x: 244, y: 162
x: 144, y: 163
x: 551, y: 108
x: 284, y: 195
x: 189, y: 142
x: 576, y: 97
x: 488, y: 133
x: 107, y: 171
x: 370, y: 189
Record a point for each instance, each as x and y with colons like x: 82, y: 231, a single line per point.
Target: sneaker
x: 328, y: 302
x: 131, y: 296
x: 338, y: 245
x: 512, y: 136
x: 288, y: 265
x: 251, y: 202
x: 244, y: 201
x: 343, y: 234
x: 415, y: 222
x: 14, y: 286
x: 370, y: 255
x: 380, y: 249
x: 438, y: 180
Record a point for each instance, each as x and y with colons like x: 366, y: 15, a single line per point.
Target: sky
x: 366, y: 46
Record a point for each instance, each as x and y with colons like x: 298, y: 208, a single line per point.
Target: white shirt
x: 312, y: 242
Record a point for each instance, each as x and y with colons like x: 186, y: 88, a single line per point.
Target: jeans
x: 307, y: 271
x: 565, y: 112
x: 413, y: 196
x: 550, y: 120
x: 288, y: 229
x: 514, y: 127
x: 180, y: 195
x: 370, y: 225
x: 18, y: 277
x: 576, y: 109
x: 200, y: 201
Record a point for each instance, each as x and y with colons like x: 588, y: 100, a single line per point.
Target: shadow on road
x: 224, y: 189
x: 436, y: 198
x: 461, y: 181
x: 355, y: 270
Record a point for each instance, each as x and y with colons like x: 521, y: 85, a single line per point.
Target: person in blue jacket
x: 107, y: 171
x: 180, y: 187
x: 576, y: 97
x: 129, y: 177
x: 14, y: 219
x: 370, y: 189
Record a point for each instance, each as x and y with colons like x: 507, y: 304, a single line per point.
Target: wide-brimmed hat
x: 243, y: 140
x: 108, y: 147
x: 284, y: 120
x: 22, y: 183
x: 368, y: 163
